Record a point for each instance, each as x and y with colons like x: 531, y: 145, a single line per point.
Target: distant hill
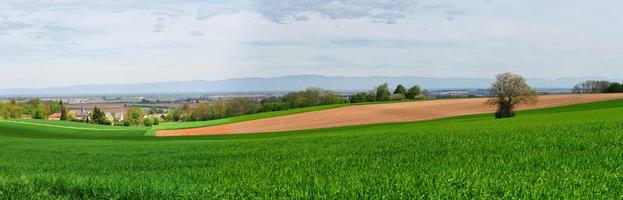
x: 285, y: 83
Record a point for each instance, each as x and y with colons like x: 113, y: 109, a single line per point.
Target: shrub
x: 398, y: 97
x: 156, y: 121
x: 359, y: 97
x: 148, y: 121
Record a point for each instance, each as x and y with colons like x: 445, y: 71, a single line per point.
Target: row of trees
x: 382, y: 93
x: 306, y: 98
x: 214, y: 110
x: 592, y: 86
x: 241, y: 106
x: 34, y: 108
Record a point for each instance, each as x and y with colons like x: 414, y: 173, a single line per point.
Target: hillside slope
x: 378, y: 113
x: 555, y: 153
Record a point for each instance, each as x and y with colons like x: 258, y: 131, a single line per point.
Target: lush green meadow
x: 573, y: 152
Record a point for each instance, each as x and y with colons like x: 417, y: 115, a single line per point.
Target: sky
x: 51, y: 43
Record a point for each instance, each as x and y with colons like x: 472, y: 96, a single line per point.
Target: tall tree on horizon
x: 400, y: 90
x: 64, y: 116
x: 382, y: 92
x: 413, y: 92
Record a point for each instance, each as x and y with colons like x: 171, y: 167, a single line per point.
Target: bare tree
x: 510, y: 90
x: 591, y: 87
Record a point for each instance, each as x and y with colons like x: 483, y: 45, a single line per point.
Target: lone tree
x: 510, y: 90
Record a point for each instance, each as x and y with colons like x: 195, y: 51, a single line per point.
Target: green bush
x: 360, y: 97
x: 148, y: 121
x: 398, y: 97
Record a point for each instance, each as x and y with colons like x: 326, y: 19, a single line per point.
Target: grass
x: 572, y: 152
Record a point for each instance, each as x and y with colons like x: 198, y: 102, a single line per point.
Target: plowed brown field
x: 380, y: 113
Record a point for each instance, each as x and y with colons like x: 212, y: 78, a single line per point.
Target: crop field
x: 375, y: 114
x: 242, y: 118
x: 571, y: 152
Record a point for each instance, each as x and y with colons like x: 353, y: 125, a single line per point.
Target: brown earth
x: 380, y: 113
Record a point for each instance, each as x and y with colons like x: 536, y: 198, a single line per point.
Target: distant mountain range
x: 285, y: 83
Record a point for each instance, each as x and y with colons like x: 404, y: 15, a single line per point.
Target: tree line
x: 307, y: 98
x: 382, y: 93
x: 242, y: 106
x: 593, y: 86
x: 34, y: 108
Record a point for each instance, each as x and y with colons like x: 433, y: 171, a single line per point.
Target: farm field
x: 374, y: 114
x: 242, y: 118
x: 563, y: 152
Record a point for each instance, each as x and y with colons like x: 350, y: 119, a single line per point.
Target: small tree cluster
x: 10, y: 110
x: 382, y: 93
x: 614, y: 87
x: 214, y: 110
x: 134, y: 117
x: 307, y: 98
x: 152, y: 121
x: 99, y: 117
x: 591, y: 87
x: 34, y: 108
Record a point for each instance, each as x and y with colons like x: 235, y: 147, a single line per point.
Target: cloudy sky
x: 45, y: 43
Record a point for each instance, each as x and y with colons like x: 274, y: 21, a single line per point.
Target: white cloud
x: 152, y: 40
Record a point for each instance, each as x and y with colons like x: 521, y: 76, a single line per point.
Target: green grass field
x: 572, y: 152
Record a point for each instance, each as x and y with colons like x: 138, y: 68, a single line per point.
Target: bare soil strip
x: 380, y: 113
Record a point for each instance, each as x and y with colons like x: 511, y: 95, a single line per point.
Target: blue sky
x: 47, y: 43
